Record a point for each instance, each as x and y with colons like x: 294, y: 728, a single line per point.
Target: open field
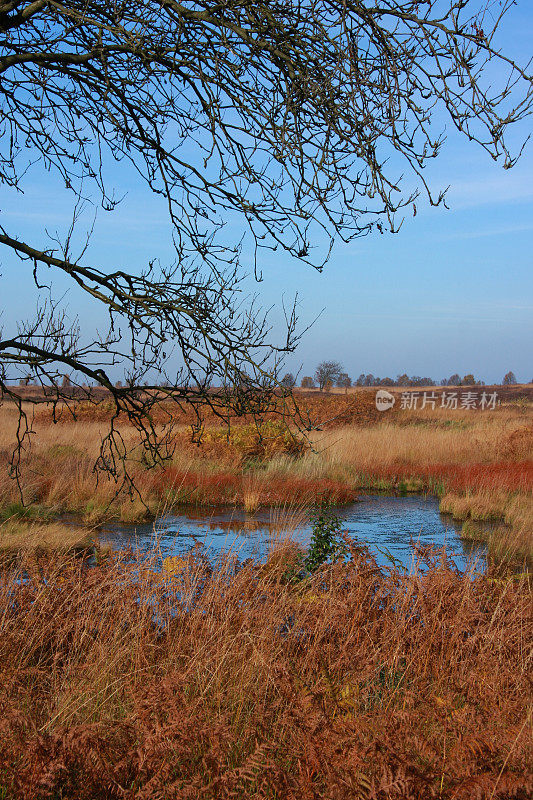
x: 120, y: 681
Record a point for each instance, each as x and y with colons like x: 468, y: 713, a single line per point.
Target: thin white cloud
x: 439, y: 316
x: 511, y: 186
x: 503, y: 230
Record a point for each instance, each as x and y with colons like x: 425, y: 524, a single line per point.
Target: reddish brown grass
x: 172, y: 486
x: 323, y: 409
x: 508, y: 476
x: 233, y: 683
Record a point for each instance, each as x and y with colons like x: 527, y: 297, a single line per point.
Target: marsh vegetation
x: 321, y: 673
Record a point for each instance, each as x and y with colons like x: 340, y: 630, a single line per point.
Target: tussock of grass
x: 251, y: 498
x: 476, y: 506
x: 473, y: 532
x: 122, y: 681
x: 510, y: 541
x: 18, y: 537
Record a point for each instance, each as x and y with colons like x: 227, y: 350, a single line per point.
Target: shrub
x: 271, y: 438
x: 325, y: 540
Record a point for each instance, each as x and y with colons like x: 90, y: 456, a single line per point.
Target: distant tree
x: 344, y: 381
x: 65, y: 383
x: 387, y: 382
x: 509, y: 379
x: 361, y: 380
x: 403, y: 380
x: 419, y: 380
x: 118, y: 385
x: 327, y: 371
x: 369, y: 380
x: 454, y: 380
x: 444, y: 382
x: 469, y: 380
x: 288, y: 381
x: 307, y: 382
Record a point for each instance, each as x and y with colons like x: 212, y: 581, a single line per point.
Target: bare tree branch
x: 296, y: 117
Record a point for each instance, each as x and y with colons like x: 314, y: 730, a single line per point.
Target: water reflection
x: 389, y: 525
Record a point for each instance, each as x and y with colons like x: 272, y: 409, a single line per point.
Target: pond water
x: 388, y: 525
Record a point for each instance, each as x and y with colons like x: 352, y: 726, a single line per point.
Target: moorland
x: 122, y: 677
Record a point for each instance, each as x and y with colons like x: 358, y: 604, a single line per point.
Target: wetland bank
x: 478, y: 464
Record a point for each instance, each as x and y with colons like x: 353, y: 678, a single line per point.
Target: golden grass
x: 439, y: 437
x: 514, y: 539
x: 251, y: 494
x: 476, y: 506
x: 16, y: 536
x: 58, y: 473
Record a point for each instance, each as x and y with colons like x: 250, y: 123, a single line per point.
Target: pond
x: 386, y: 524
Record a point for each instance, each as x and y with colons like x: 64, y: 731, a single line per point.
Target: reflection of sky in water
x: 386, y: 524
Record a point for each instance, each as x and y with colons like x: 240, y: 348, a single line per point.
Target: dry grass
x: 438, y: 437
x: 251, y: 495
x: 486, y: 455
x: 513, y: 540
x: 123, y: 682
x: 135, y: 679
x: 20, y: 537
x: 482, y: 463
x: 476, y: 506
x: 58, y: 475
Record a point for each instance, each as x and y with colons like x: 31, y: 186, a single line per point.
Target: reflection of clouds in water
x: 387, y: 524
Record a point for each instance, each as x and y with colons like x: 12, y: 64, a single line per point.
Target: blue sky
x: 451, y: 292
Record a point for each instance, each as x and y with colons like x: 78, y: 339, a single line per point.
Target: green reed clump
x: 326, y: 542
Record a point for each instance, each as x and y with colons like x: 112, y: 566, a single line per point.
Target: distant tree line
x: 331, y: 373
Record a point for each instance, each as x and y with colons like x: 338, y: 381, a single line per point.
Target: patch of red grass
x: 175, y: 485
x: 508, y: 476
x: 281, y: 490
x: 221, y: 488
